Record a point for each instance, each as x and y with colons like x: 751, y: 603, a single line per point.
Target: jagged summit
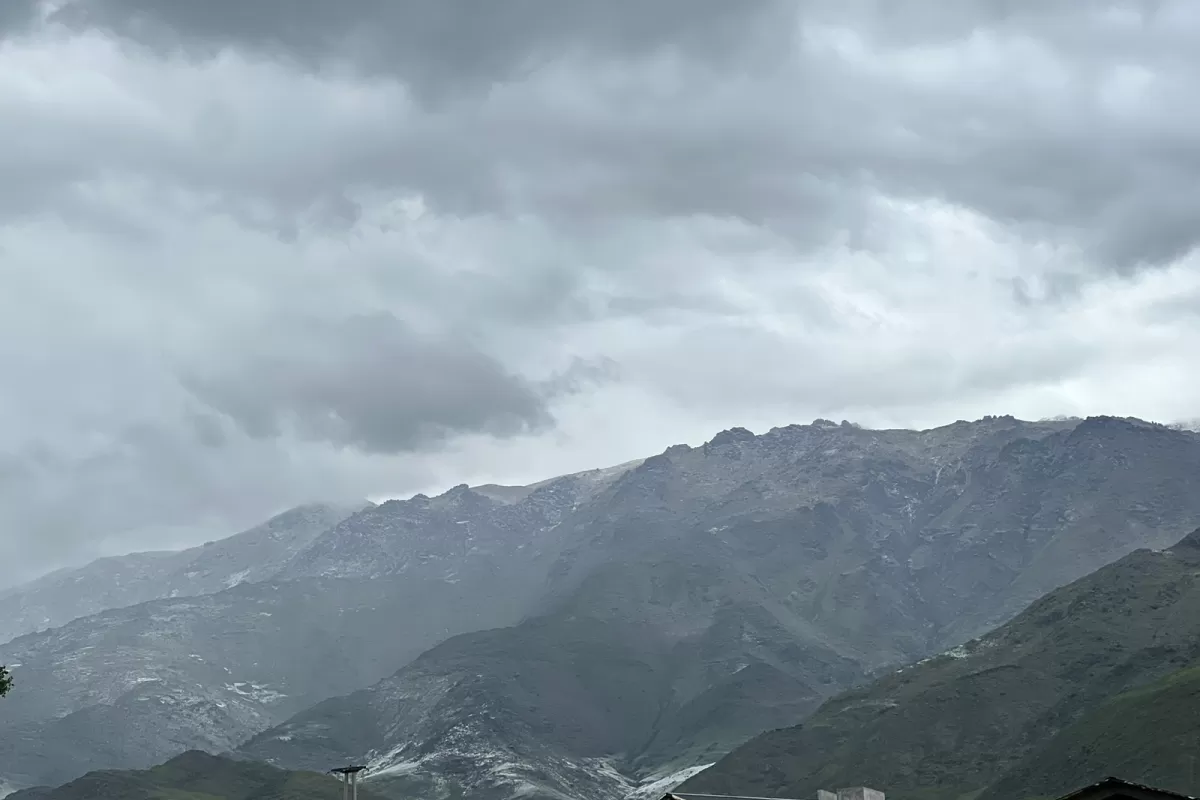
x: 965, y: 429
x: 1107, y: 421
x: 731, y: 436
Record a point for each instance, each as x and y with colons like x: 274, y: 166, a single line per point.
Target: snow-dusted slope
x: 713, y: 592
x: 656, y: 615
x: 132, y: 686
x: 121, y: 581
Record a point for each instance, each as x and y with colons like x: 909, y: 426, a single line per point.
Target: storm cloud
x: 257, y: 254
x: 442, y: 47
x: 373, y: 384
x: 1071, y: 121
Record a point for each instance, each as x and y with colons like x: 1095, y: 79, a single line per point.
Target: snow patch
x: 257, y: 692
x: 655, y: 787
x: 497, y: 767
x: 399, y: 768
x: 236, y: 578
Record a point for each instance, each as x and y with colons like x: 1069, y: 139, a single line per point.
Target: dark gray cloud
x: 17, y: 16
x: 438, y: 47
x: 371, y: 383
x: 1072, y: 121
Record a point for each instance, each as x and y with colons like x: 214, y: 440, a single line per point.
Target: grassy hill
x: 197, y: 776
x: 1097, y: 678
x: 1149, y: 735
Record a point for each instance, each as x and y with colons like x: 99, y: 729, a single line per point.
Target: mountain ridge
x: 861, y: 603
x: 791, y: 563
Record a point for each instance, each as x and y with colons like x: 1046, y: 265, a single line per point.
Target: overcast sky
x: 255, y: 254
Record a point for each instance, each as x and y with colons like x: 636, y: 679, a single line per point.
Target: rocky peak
x: 731, y: 436
x: 462, y: 498
x: 1114, y: 424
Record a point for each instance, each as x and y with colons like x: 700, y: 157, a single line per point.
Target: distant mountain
x: 197, y: 776
x: 549, y: 704
x: 679, y: 605
x: 122, y: 581
x: 133, y: 686
x: 1101, y: 676
x: 713, y: 592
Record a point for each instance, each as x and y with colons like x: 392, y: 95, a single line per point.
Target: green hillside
x: 1149, y: 735
x: 1091, y: 680
x: 197, y: 776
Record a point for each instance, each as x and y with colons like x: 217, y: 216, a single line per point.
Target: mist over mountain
x: 737, y: 585
x: 122, y: 581
x: 134, y: 686
x: 578, y: 264
x: 594, y: 631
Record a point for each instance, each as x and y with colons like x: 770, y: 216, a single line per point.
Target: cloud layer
x: 255, y: 254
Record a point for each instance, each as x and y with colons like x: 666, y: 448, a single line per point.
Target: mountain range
x: 129, y: 687
x: 596, y: 633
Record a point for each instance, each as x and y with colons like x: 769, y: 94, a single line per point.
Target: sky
x: 259, y: 254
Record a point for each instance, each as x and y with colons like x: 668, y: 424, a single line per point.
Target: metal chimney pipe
x: 349, y: 781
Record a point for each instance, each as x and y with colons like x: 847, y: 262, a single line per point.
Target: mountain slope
x: 915, y: 540
x: 574, y: 701
x: 753, y: 569
x: 122, y: 581
x: 196, y: 776
x: 1148, y: 734
x: 1005, y: 714
x: 131, y: 687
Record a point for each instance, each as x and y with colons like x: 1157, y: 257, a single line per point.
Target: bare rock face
x: 602, y: 630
